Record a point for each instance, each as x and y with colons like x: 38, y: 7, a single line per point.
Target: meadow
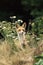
x: 11, y: 54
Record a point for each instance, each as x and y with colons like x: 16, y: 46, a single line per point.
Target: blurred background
x: 24, y: 9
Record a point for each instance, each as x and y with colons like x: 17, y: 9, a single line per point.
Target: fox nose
x: 22, y: 32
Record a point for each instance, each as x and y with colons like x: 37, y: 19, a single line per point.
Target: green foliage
x: 38, y: 25
x: 37, y: 12
x: 8, y: 33
x: 32, y: 2
x: 39, y: 60
x: 28, y: 4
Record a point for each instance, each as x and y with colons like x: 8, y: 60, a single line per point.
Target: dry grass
x: 10, y: 57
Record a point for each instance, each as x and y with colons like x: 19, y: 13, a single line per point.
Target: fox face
x: 21, y: 32
x: 20, y: 29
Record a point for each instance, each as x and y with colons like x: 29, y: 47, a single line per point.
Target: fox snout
x: 21, y: 32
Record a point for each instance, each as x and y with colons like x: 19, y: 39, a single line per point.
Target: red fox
x: 21, y: 33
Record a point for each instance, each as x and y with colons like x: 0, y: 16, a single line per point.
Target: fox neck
x: 21, y: 37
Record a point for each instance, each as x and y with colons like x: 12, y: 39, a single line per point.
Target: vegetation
x: 10, y: 50
x: 39, y: 59
x: 8, y: 31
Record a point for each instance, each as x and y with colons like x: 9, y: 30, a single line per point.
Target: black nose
x: 22, y: 32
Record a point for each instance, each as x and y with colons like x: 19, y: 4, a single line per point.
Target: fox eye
x: 19, y: 30
x: 23, y: 30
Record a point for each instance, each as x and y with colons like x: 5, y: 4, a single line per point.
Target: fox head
x: 20, y: 29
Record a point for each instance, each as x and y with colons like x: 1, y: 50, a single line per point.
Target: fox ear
x: 17, y: 25
x: 24, y: 25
